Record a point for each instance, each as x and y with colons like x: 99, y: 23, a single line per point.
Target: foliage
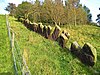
x: 11, y: 8
x: 24, y: 9
x: 89, y: 15
x: 55, y: 12
x: 98, y: 18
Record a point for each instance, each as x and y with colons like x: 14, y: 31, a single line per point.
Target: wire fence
x: 19, y: 62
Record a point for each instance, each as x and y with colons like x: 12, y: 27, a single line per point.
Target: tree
x: 81, y: 15
x: 71, y: 7
x: 75, y: 13
x: 53, y: 11
x: 98, y: 18
x: 89, y: 15
x: 58, y: 12
x: 37, y: 11
x: 11, y: 8
x: 47, y: 11
x: 24, y: 9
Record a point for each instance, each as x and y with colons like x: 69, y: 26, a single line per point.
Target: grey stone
x: 56, y: 32
x: 62, y: 40
x: 89, y: 50
x: 75, y: 48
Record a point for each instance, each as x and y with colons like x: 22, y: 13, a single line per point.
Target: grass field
x: 46, y: 57
x: 6, y: 64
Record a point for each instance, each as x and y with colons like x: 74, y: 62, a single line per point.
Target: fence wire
x: 19, y: 62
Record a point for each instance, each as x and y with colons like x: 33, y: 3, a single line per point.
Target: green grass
x: 83, y: 34
x: 86, y: 33
x: 46, y: 57
x: 6, y: 65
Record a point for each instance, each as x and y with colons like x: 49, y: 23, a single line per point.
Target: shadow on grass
x: 6, y: 73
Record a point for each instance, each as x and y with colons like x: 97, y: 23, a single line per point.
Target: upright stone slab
x: 21, y: 20
x: 40, y: 28
x: 75, y: 48
x: 66, y: 33
x: 18, y: 18
x: 89, y: 50
x: 31, y: 26
x: 62, y: 40
x: 86, y: 59
x: 34, y: 27
x: 29, y: 23
x: 49, y: 31
x: 56, y: 32
x: 26, y: 22
x: 45, y: 33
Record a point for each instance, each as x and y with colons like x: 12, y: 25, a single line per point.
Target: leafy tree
x: 71, y: 7
x: 58, y: 12
x: 47, y: 11
x: 75, y: 13
x: 81, y: 15
x: 24, y: 9
x: 54, y: 11
x: 11, y: 8
x: 89, y: 15
x: 98, y: 18
x: 37, y: 11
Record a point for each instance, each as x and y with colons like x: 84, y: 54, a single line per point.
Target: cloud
x: 15, y: 1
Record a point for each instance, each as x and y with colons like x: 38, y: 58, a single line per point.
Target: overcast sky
x: 93, y: 5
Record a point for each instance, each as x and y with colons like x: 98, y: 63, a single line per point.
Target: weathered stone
x: 40, y: 28
x: 49, y: 31
x: 66, y: 33
x: 45, y: 33
x: 34, y: 27
x: 21, y: 20
x: 62, y: 40
x: 31, y: 26
x: 75, y: 48
x: 56, y: 32
x: 26, y: 23
x: 86, y: 59
x: 89, y: 50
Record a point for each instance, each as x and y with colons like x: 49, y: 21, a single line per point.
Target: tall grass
x: 6, y: 64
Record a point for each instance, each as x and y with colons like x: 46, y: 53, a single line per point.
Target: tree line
x: 69, y: 12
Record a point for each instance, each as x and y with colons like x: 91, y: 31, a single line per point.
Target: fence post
x: 8, y: 28
x: 12, y: 48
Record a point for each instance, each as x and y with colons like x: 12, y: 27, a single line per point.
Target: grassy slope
x: 46, y: 57
x: 86, y: 33
x: 6, y: 65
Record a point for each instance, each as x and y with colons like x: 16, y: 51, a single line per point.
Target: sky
x: 93, y: 5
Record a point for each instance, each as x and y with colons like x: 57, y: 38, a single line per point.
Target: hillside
x: 6, y: 64
x: 46, y: 57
